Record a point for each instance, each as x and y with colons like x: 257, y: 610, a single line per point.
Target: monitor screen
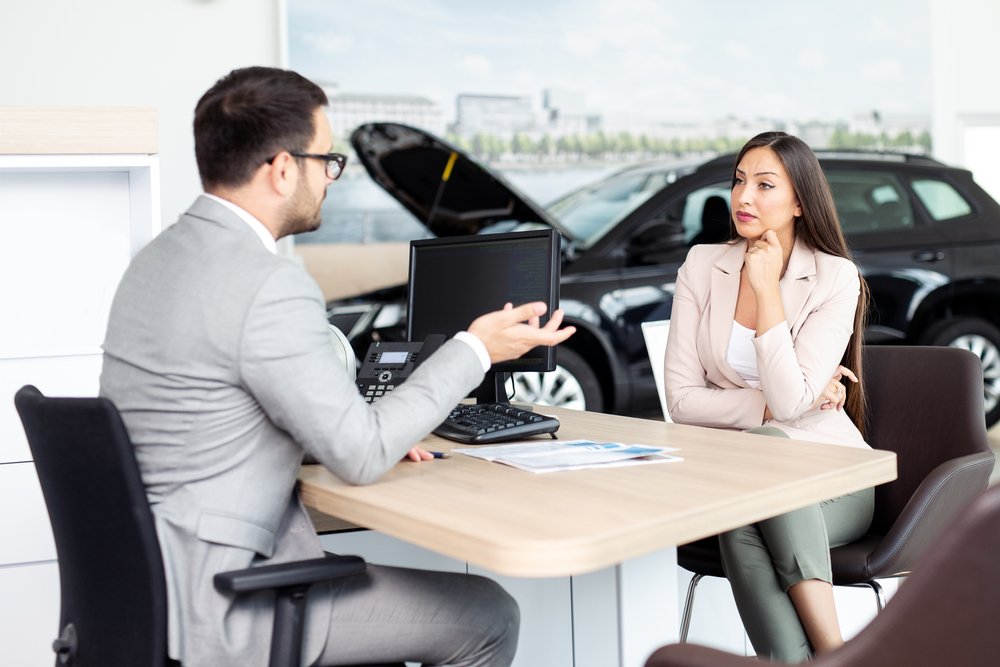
x: 454, y: 280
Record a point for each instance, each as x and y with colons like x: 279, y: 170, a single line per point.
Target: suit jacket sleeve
x: 691, y: 397
x: 794, y: 373
x: 289, y: 366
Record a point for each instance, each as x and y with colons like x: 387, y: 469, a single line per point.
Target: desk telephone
x: 388, y: 363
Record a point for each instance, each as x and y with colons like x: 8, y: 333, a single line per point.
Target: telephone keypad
x: 375, y: 391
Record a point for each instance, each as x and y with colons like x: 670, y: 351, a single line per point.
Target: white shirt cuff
x: 477, y: 346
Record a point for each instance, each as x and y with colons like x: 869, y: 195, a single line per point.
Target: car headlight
x: 352, y: 319
x: 390, y: 315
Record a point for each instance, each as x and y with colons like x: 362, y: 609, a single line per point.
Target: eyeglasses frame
x: 331, y: 159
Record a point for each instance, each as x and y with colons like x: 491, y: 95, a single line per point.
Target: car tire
x: 571, y: 385
x: 982, y: 338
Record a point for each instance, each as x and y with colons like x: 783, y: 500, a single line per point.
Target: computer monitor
x: 454, y: 280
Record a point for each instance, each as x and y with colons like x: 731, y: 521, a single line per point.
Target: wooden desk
x: 571, y: 523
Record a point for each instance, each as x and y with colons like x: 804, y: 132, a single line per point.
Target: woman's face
x: 763, y: 197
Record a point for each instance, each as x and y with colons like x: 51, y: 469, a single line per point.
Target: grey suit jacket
x: 218, y: 356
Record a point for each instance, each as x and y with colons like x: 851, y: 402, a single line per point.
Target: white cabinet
x: 79, y: 196
x: 76, y: 375
x: 29, y: 614
x: 24, y: 524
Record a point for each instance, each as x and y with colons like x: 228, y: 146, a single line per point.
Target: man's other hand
x: 509, y: 333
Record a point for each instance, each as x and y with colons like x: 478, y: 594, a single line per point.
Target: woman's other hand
x: 835, y: 393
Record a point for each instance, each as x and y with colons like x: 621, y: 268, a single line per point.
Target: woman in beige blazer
x: 763, y: 330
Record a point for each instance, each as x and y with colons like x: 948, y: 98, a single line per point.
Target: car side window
x: 590, y: 212
x: 870, y: 201
x: 943, y: 201
x: 704, y: 214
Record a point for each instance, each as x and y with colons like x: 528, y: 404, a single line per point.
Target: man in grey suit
x: 218, y: 356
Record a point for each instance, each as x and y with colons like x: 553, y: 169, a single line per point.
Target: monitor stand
x: 493, y: 389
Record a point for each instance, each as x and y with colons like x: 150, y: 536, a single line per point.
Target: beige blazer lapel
x: 725, y: 290
x: 796, y: 286
x: 797, y: 283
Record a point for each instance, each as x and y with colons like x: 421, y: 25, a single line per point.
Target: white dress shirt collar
x: 256, y: 225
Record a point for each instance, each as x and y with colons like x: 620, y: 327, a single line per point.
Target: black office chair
x: 113, y: 609
x: 925, y: 404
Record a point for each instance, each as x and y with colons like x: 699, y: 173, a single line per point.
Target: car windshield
x: 590, y: 212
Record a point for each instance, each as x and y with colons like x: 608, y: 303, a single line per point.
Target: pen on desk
x: 440, y: 455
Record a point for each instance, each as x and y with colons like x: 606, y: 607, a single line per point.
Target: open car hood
x: 438, y: 183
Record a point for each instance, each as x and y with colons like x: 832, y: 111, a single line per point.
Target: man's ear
x: 283, y: 174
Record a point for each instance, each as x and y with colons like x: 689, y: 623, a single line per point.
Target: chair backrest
x: 655, y: 334
x: 925, y: 404
x: 344, y: 351
x: 716, y: 225
x: 110, y: 569
x: 946, y: 613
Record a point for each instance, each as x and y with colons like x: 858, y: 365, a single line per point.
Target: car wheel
x: 571, y: 385
x: 982, y: 339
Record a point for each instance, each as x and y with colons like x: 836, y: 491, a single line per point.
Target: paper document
x: 571, y: 455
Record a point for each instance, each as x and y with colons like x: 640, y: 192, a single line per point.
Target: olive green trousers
x: 763, y: 560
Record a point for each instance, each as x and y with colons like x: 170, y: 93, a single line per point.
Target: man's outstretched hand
x: 509, y: 333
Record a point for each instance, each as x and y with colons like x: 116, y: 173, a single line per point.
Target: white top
x: 741, y: 354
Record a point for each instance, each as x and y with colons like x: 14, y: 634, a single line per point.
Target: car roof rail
x: 883, y: 156
x: 848, y: 154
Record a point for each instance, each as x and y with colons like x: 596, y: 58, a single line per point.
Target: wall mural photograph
x: 559, y: 94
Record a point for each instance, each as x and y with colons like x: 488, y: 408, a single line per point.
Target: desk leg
x: 624, y: 613
x: 545, y: 639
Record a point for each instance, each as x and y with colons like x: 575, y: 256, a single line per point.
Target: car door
x: 902, y: 257
x: 966, y: 217
x: 648, y: 249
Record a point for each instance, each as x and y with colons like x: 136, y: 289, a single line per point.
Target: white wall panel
x: 54, y: 376
x: 66, y: 245
x: 963, y: 34
x: 24, y: 524
x: 136, y: 53
x: 980, y: 145
x: 29, y: 615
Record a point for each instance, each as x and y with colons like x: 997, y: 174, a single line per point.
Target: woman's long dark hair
x: 819, y: 228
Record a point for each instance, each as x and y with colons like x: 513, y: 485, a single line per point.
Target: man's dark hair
x: 249, y: 116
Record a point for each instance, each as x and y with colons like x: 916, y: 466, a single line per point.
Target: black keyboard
x: 483, y: 423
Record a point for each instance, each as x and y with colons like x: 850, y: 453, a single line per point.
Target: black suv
x: 926, y: 236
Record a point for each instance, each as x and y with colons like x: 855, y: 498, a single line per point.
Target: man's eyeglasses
x: 335, y: 162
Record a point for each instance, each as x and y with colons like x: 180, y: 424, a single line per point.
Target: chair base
x: 876, y: 588
x: 696, y: 579
x: 688, y: 607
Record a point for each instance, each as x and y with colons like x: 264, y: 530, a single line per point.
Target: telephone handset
x: 387, y: 364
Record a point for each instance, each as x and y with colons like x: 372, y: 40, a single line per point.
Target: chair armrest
x: 692, y: 655
x: 932, y: 507
x: 284, y: 575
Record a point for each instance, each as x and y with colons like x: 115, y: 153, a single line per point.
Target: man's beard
x: 303, y: 213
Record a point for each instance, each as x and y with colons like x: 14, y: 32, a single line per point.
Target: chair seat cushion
x: 701, y: 557
x: 850, y: 562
